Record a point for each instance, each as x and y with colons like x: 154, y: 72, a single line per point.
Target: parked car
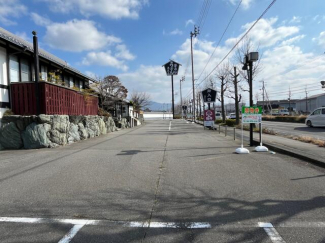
x: 232, y: 116
x: 279, y: 112
x: 218, y: 116
x: 316, y: 118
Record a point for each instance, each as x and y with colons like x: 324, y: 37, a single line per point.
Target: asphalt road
x: 295, y: 129
x: 162, y: 182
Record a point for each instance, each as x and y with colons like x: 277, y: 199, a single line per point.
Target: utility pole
x: 195, y: 33
x: 306, y: 99
x: 289, y: 101
x: 222, y: 99
x: 263, y: 95
x: 180, y: 91
x: 236, y: 95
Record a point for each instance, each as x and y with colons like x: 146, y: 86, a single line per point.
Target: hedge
x: 297, y: 119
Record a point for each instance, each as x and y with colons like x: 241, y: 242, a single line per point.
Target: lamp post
x: 180, y: 91
x: 323, y: 84
x: 248, y: 65
x: 36, y: 65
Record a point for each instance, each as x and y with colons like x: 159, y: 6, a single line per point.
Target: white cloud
x: 39, y: 20
x: 77, y: 36
x: 245, y: 3
x: 91, y: 74
x: 149, y: 79
x: 124, y: 53
x: 190, y: 21
x: 320, y: 39
x: 293, y: 40
x: 295, y: 19
x: 174, y: 32
x: 104, y: 59
x: 114, y: 9
x: 11, y: 9
x: 265, y: 34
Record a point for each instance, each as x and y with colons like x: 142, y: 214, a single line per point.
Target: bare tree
x: 110, y: 90
x: 140, y: 100
x: 233, y: 93
x: 222, y: 74
x: 244, y: 49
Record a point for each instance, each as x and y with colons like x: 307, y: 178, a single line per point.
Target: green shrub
x: 8, y: 113
x: 230, y: 122
x: 177, y: 116
x: 218, y: 121
x: 298, y: 119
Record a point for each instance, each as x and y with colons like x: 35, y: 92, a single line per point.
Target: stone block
x: 10, y: 136
x: 35, y: 136
x: 73, y: 133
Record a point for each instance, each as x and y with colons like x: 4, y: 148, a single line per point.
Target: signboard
x: 209, y: 95
x: 209, y: 118
x: 252, y: 114
x: 171, y: 68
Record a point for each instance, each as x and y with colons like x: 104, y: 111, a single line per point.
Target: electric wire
x: 245, y: 34
x: 232, y: 17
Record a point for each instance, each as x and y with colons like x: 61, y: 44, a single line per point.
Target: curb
x: 293, y: 154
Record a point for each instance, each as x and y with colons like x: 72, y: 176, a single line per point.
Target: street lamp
x: 323, y: 84
x: 248, y: 65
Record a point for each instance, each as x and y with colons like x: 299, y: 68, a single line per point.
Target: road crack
x: 161, y: 167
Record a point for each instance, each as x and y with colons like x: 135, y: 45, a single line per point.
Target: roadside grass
x: 307, y: 139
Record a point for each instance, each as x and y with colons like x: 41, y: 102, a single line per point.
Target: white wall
x: 3, y: 67
x: 2, y: 110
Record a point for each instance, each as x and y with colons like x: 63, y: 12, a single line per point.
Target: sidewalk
x: 304, y: 151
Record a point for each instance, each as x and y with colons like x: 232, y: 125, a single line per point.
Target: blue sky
x: 133, y: 38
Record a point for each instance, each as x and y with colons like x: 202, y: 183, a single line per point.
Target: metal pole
x: 36, y: 64
x: 251, y: 99
x: 173, y: 95
x: 193, y: 103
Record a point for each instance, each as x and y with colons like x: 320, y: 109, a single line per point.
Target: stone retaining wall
x: 48, y: 131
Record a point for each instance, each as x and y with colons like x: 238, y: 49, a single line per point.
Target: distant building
x: 311, y: 103
x: 275, y: 104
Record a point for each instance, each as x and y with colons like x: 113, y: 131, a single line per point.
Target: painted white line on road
x: 131, y: 224
x: 47, y: 221
x: 72, y: 233
x: 271, y: 231
x: 170, y: 125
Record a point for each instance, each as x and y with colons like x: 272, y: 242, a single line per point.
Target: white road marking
x: 131, y: 224
x: 271, y: 231
x: 170, y: 125
x: 72, y: 233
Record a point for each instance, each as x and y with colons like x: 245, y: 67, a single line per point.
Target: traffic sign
x: 252, y: 114
x: 209, y: 95
x: 209, y: 118
x: 171, y: 68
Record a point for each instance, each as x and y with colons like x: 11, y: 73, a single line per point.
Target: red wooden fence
x: 54, y: 99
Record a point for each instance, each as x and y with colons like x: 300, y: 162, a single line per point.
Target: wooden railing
x: 54, y: 99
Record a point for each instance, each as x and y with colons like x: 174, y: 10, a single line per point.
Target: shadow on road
x: 189, y: 205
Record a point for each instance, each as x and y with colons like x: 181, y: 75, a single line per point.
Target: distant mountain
x: 155, y: 106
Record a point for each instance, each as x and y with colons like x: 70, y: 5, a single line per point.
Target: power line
x: 246, y: 33
x: 221, y: 37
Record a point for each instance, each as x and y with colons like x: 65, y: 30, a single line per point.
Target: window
x: 14, y: 69
x: 316, y: 112
x: 71, y: 82
x: 80, y: 84
x: 77, y: 84
x: 323, y: 111
x: 25, y: 71
x: 44, y: 73
x: 66, y: 81
x: 3, y: 67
